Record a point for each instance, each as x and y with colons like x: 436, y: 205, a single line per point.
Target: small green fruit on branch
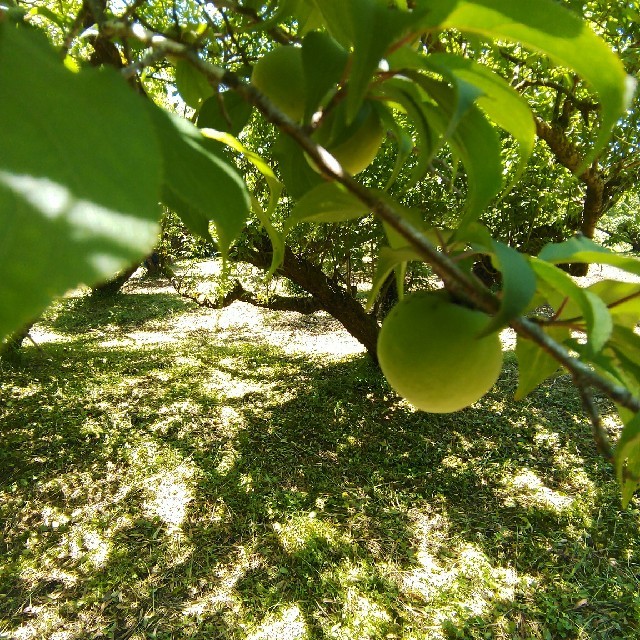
x: 430, y: 352
x: 457, y: 282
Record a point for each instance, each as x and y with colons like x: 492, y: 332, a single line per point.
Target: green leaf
x: 518, y: 285
x: 535, y: 365
x: 192, y: 85
x: 581, y: 249
x: 370, y: 26
x: 551, y: 30
x: 625, y: 345
x: 297, y: 175
x: 275, y: 189
x: 475, y: 141
x: 404, y: 143
x: 407, y: 96
x: 78, y: 199
x: 561, y: 289
x: 627, y: 459
x: 328, y: 202
x: 225, y: 111
x: 503, y: 104
x: 200, y: 184
x: 276, y: 238
x: 324, y: 62
x: 388, y: 260
x: 518, y: 278
x: 621, y: 298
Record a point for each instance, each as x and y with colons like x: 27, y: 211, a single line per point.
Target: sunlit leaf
x: 370, y: 27
x: 275, y: 189
x: 206, y: 184
x: 328, y: 202
x: 552, y: 30
x: 193, y: 86
x: 275, y: 236
x: 621, y: 298
x: 388, y: 260
x: 474, y: 140
x: 407, y: 96
x: 627, y: 459
x: 503, y: 104
x: 535, y: 364
x: 583, y: 250
x: 561, y: 288
x: 78, y: 200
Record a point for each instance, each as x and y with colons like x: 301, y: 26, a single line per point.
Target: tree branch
x: 458, y: 282
x: 300, y: 304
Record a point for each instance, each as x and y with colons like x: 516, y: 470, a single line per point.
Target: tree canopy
x: 479, y: 132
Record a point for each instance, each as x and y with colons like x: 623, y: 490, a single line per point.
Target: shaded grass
x: 214, y: 488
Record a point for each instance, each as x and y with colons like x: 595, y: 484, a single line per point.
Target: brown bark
x: 112, y: 286
x: 567, y: 154
x: 332, y: 298
x: 10, y: 348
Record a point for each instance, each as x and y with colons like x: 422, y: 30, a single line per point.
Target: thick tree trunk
x: 111, y: 287
x: 331, y: 297
x: 10, y: 348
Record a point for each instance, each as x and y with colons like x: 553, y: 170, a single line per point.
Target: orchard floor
x: 170, y: 472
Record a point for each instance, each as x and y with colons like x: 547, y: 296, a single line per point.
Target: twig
x: 597, y: 428
x: 458, y: 282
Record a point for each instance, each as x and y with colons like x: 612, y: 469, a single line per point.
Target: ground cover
x: 172, y: 472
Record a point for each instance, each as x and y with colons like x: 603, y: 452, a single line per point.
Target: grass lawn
x: 162, y: 476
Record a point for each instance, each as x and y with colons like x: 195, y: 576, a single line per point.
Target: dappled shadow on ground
x: 84, y: 313
x: 209, y: 489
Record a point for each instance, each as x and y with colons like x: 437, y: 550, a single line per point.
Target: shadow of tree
x: 229, y: 491
x: 126, y: 311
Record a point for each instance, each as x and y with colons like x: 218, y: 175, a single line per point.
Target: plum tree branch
x: 458, y: 282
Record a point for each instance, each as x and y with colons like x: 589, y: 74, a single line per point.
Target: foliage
x: 168, y: 473
x: 432, y: 72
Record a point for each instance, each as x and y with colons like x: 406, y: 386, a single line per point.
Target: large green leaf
x: 275, y: 189
x: 535, y: 365
x: 79, y: 176
x: 621, y: 298
x: 324, y: 62
x: 474, y: 140
x: 560, y: 289
x: 552, y: 30
x: 328, y: 202
x: 295, y: 171
x: 192, y: 85
x: 503, y: 104
x: 370, y: 26
x: 407, y: 96
x: 518, y: 278
x: 627, y: 459
x: 199, y: 183
x: 388, y: 260
x: 581, y: 249
x: 225, y: 111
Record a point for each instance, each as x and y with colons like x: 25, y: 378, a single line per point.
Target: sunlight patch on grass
x: 232, y: 386
x: 227, y: 458
x: 302, y: 530
x: 45, y: 623
x: 361, y: 618
x: 225, y: 577
x: 463, y: 583
x: 170, y: 493
x: 526, y: 489
x: 286, y: 623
